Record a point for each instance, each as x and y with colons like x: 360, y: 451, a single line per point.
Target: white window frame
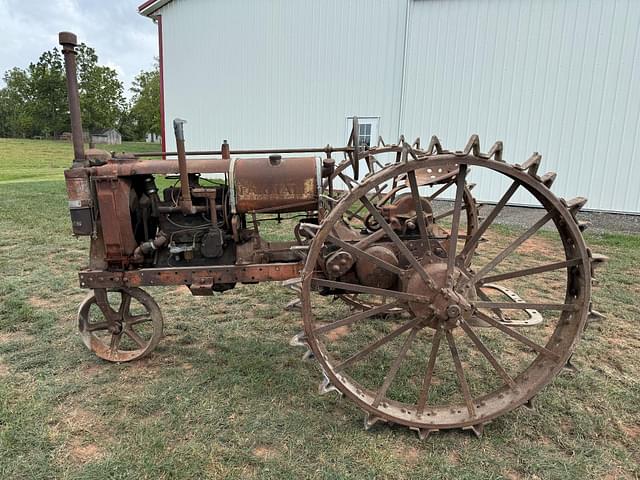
x: 372, y: 121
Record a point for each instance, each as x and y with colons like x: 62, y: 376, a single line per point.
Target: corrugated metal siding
x: 280, y: 72
x: 558, y: 77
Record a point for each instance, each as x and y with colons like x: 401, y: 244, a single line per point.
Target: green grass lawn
x: 46, y: 159
x: 225, y: 396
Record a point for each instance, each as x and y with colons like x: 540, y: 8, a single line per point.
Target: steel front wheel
x: 120, y: 325
x: 460, y: 353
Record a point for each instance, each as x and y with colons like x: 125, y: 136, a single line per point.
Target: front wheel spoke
x: 517, y: 336
x: 356, y: 317
x: 364, y: 255
x: 375, y: 345
x: 426, y: 383
x: 356, y: 288
x: 92, y: 327
x: 133, y: 335
x: 136, y: 319
x: 512, y: 247
x: 464, y: 386
x: 397, y: 241
x: 115, y: 341
x: 393, y: 371
x: 125, y: 304
x: 487, y: 354
x: 567, y: 307
x: 531, y: 271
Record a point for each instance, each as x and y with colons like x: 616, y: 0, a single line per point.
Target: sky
x: 122, y: 39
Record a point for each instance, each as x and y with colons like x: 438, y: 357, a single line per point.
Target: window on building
x: 367, y: 130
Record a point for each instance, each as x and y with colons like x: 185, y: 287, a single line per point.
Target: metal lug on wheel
x: 597, y: 260
x: 326, y: 386
x: 531, y: 165
x: 594, y: 315
x: 300, y: 340
x: 371, y: 420
x: 584, y: 224
x: 423, y: 433
x: 548, y: 178
x: 477, y: 429
x: 473, y: 145
x: 570, y: 366
x: 434, y: 144
x: 529, y: 405
x: 575, y: 205
x: 496, y: 151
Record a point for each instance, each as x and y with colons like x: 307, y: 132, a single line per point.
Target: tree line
x: 33, y: 103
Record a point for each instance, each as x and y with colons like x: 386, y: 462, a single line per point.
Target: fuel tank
x: 274, y: 184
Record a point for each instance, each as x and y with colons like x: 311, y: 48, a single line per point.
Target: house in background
x: 560, y: 77
x: 108, y: 136
x: 152, y: 138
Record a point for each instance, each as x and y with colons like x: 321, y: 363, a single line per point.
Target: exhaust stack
x: 69, y: 41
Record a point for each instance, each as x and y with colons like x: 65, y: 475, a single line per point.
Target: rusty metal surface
x: 190, y: 275
x: 274, y: 184
x: 69, y: 41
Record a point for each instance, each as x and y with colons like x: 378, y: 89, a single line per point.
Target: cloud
x: 122, y: 39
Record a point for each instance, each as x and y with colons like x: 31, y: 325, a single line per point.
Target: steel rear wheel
x: 457, y: 356
x: 135, y: 328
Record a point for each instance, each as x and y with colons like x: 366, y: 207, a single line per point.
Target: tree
x: 145, y: 109
x: 34, y: 101
x: 15, y: 121
x: 101, y: 92
x: 46, y: 95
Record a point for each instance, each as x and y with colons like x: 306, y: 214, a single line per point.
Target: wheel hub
x: 446, y: 307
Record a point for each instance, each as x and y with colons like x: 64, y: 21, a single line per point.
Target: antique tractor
x: 398, y: 288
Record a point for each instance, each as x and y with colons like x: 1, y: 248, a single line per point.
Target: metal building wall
x: 281, y: 73
x: 561, y: 77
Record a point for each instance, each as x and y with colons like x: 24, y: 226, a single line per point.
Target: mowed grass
x: 25, y: 159
x: 225, y: 396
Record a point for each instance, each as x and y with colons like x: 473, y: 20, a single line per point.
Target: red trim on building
x: 161, y: 68
x: 145, y: 5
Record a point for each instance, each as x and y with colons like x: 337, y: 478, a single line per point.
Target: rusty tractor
x: 413, y: 306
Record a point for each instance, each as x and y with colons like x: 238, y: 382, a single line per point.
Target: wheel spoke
x: 464, y: 386
x: 487, y: 354
x: 364, y: 255
x: 92, y: 327
x: 426, y: 384
x: 440, y: 190
x: 136, y: 319
x: 568, y: 307
x: 115, y: 341
x: 440, y: 216
x: 393, y: 370
x: 531, y: 271
x: 517, y: 336
x: 489, y: 220
x: 415, y: 194
x: 357, y: 317
x: 397, y: 241
x: 125, y: 304
x: 354, y: 287
x: 375, y: 345
x: 133, y: 335
x: 455, y: 223
x: 508, y: 250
